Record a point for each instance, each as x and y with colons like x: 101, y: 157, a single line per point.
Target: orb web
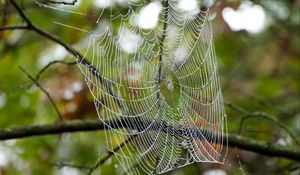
x: 157, y: 84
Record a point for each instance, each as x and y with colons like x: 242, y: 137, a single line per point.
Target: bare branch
x: 44, y: 91
x: 259, y: 114
x: 265, y: 103
x: 110, y: 153
x: 13, y: 28
x: 99, y: 161
x: 80, y: 58
x: 235, y: 141
x: 63, y: 2
x: 38, y: 76
x: 61, y: 165
x: 31, y: 26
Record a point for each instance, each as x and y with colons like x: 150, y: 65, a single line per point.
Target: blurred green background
x: 258, y: 48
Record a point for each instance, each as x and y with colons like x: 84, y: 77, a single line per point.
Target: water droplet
x: 184, y: 144
x: 135, y: 131
x: 170, y: 85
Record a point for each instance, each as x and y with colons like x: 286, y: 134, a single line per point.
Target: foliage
x: 259, y: 72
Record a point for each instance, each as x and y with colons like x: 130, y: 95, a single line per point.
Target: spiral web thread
x: 164, y: 95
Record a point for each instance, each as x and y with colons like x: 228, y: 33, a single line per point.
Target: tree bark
x: 234, y: 140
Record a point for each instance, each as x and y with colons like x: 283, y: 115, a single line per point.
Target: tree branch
x: 99, y: 161
x: 259, y: 114
x: 41, y: 71
x: 13, y: 28
x: 44, y: 91
x: 38, y: 75
x: 61, y: 165
x: 33, y: 27
x: 80, y: 58
x: 110, y: 154
x: 234, y: 140
x: 63, y: 2
x: 75, y: 126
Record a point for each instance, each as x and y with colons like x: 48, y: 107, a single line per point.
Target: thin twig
x: 63, y: 2
x: 272, y: 119
x: 39, y: 74
x: 111, y: 153
x: 161, y: 47
x: 61, y: 165
x: 13, y: 28
x: 44, y: 91
x: 264, y: 103
x: 246, y: 115
x: 31, y: 26
x: 81, y: 59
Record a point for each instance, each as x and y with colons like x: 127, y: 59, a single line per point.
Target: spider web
x: 161, y: 92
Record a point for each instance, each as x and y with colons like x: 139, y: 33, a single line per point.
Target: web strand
x: 157, y: 83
